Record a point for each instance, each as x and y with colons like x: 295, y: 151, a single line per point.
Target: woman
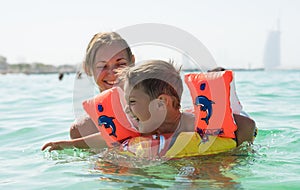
x: 106, y: 52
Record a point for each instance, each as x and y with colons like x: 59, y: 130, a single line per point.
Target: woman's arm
x: 245, y: 129
x: 91, y: 141
x: 83, y: 127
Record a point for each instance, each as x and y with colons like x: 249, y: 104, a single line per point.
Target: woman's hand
x: 90, y: 141
x: 58, y: 145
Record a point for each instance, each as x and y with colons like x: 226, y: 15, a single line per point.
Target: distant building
x: 3, y: 64
x: 272, y: 54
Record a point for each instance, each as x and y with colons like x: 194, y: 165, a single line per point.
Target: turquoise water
x: 36, y: 109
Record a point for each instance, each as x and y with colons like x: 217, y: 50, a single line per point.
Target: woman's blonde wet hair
x: 156, y: 77
x: 99, y: 40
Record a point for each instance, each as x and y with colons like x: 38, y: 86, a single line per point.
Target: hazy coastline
x: 36, y: 68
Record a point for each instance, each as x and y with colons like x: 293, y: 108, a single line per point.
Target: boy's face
x: 138, y: 103
x: 107, y: 60
x: 150, y: 114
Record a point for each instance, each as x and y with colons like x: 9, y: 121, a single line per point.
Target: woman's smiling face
x: 107, y: 60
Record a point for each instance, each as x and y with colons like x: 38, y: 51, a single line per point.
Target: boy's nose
x: 127, y: 109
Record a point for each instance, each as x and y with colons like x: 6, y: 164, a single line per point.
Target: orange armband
x: 211, y: 98
x: 107, y: 112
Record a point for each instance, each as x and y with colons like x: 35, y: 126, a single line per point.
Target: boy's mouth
x: 134, y: 117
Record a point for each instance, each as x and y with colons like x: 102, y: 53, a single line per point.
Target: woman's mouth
x: 111, y: 82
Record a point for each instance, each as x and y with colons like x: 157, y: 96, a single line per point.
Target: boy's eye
x: 131, y: 102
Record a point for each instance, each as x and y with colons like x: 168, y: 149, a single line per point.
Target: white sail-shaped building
x: 272, y: 49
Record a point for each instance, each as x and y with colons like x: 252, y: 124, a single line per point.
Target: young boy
x: 153, y: 93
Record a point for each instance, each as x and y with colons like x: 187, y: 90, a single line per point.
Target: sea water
x: 35, y: 109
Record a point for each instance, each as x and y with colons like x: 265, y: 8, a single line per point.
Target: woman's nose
x: 111, y: 70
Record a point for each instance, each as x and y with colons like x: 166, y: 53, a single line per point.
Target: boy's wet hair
x: 156, y: 77
x: 99, y: 40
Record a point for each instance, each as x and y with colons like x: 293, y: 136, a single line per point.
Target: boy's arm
x: 245, y: 129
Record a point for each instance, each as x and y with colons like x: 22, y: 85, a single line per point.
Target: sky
x: 234, y: 31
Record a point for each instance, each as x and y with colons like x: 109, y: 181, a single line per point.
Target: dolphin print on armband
x: 108, y: 123
x: 205, y: 105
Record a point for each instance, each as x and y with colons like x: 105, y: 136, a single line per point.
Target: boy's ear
x: 165, y: 98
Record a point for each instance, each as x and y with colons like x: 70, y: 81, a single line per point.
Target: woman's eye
x: 122, y: 64
x: 101, y: 66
